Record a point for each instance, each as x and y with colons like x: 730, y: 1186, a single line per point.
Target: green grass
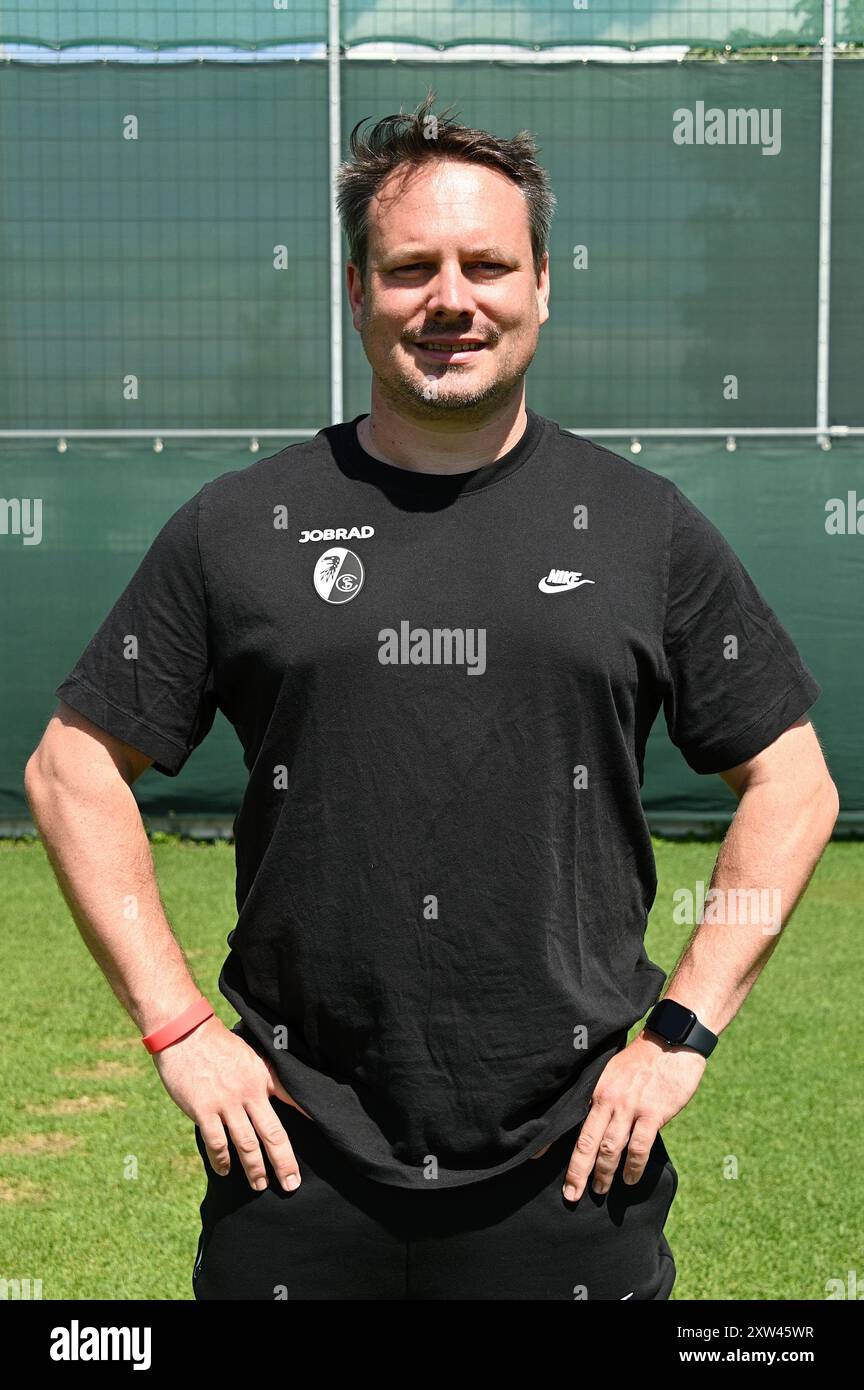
x: 100, y: 1179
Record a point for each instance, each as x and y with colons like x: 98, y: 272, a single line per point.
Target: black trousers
x: 341, y: 1235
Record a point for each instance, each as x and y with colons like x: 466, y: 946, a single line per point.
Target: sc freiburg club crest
x: 338, y: 574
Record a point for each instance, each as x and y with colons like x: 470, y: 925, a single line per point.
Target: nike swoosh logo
x: 548, y: 588
x: 627, y: 1295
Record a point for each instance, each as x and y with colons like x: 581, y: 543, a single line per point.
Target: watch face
x: 673, y: 1021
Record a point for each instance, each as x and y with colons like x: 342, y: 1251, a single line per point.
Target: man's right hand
x: 221, y: 1082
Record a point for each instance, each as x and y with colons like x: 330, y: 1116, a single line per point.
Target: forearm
x: 772, y: 847
x: 94, y: 838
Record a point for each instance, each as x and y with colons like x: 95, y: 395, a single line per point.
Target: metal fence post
x: 826, y: 148
x: 334, y: 101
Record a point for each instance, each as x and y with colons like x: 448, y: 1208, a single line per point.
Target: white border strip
x: 515, y: 53
x: 371, y: 50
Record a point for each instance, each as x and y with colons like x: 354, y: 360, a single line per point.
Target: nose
x: 452, y: 293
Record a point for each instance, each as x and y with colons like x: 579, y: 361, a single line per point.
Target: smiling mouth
x: 446, y: 351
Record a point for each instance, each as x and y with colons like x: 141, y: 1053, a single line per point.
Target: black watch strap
x: 701, y: 1039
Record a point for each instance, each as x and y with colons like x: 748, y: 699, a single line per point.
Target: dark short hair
x: 409, y: 139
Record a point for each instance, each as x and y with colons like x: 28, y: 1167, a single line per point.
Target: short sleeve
x: 146, y: 675
x: 736, y: 678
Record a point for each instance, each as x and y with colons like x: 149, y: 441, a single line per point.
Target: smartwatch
x: 680, y: 1027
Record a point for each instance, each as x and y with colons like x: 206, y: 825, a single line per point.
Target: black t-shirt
x: 443, y: 687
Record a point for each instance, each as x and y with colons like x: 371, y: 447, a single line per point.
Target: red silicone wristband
x: 178, y: 1027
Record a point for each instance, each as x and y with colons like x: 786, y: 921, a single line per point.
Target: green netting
x: 137, y: 278
x: 546, y: 22
x: 847, y: 249
x: 163, y: 23
x: 102, y: 505
x: 686, y: 283
x: 849, y: 22
x: 104, y: 502
x: 141, y: 281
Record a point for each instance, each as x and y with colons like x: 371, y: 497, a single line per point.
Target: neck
x: 446, y: 444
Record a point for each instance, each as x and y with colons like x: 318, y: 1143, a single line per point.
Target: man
x: 442, y: 632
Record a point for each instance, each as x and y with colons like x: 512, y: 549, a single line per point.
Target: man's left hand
x: 638, y: 1091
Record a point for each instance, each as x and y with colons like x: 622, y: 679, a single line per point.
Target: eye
x: 423, y: 265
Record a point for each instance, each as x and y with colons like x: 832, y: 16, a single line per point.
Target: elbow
x: 41, y: 773
x: 829, y: 802
x: 820, y: 805
x: 35, y: 777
